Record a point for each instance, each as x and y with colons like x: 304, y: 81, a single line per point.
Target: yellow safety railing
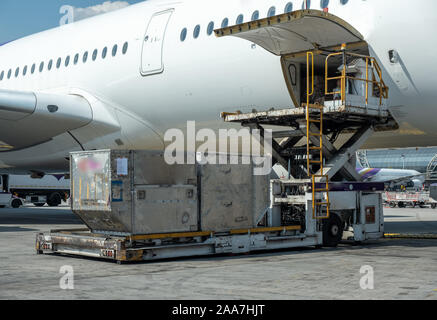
x: 370, y: 61
x: 310, y: 120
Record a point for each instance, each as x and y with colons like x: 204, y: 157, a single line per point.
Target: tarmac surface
x: 402, y: 269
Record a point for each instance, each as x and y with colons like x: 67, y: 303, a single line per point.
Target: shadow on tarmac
x: 16, y: 229
x: 38, y: 216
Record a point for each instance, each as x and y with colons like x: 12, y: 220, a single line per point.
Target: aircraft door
x: 153, y: 42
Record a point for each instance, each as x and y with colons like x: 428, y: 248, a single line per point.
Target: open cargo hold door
x: 296, y: 32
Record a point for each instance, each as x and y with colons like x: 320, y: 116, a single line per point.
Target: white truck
x: 9, y: 200
x: 50, y: 189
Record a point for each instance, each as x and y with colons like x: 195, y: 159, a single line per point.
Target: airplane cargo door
x: 153, y: 42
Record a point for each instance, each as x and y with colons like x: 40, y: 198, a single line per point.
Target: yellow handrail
x: 308, y: 101
x: 308, y: 76
x: 309, y: 121
x: 380, y: 82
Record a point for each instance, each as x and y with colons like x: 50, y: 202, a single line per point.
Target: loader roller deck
x: 349, y: 117
x: 82, y: 242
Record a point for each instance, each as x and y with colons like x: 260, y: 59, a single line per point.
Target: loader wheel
x: 332, y: 231
x: 16, y: 204
x: 54, y: 200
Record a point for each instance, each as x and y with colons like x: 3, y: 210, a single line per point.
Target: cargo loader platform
x: 348, y: 117
x: 82, y: 242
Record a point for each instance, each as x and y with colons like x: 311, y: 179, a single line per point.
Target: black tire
x: 401, y: 205
x: 39, y: 204
x: 16, y: 203
x: 332, y: 231
x: 433, y: 205
x: 392, y: 205
x: 54, y: 200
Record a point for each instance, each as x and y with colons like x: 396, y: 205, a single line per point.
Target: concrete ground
x: 403, y: 269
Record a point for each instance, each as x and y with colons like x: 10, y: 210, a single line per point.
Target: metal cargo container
x: 137, y: 192
x: 232, y: 196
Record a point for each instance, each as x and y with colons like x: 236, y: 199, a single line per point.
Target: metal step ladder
x: 314, y: 128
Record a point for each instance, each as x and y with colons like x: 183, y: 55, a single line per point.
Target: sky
x: 19, y: 18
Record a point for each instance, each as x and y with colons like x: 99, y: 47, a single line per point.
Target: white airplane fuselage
x: 208, y: 75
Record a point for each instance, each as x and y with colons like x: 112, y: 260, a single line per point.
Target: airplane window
x: 24, y: 70
x: 95, y: 54
x: 58, y: 63
x: 9, y: 73
x: 210, y: 28
x: 50, y: 65
x: 183, y: 34
x: 2, y: 75
x: 114, y: 50
x: 255, y: 15
x: 41, y: 66
x: 105, y: 50
x: 67, y: 61
x: 32, y: 70
x: 272, y: 12
x: 225, y: 22
x: 85, y: 57
x: 17, y: 71
x: 288, y: 7
x: 196, y: 32
x: 76, y: 58
x: 125, y: 46
x: 240, y: 19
